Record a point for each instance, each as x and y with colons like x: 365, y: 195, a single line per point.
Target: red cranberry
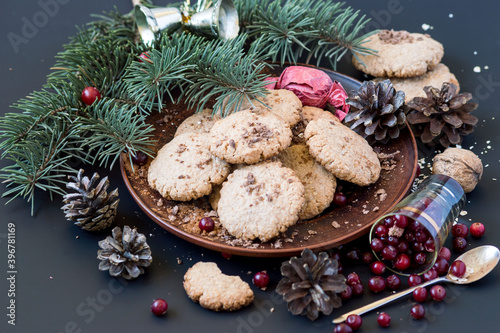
x: 377, y: 267
x: 354, y: 321
x: 403, y: 247
x: 438, y: 293
x: 376, y: 245
x: 459, y: 244
x: 368, y: 257
x: 393, y: 282
x: 418, y: 171
x: 340, y: 268
x: 354, y: 256
x: 477, y: 229
x: 90, y: 95
x: 377, y: 284
x: 339, y: 199
x: 358, y: 289
x: 381, y: 230
x: 417, y: 247
x: 389, y: 222
x: 459, y: 230
x: 391, y: 240
x: 420, y: 294
x: 431, y: 274
x: 347, y: 293
x: 417, y: 311
x: 430, y: 245
x: 401, y: 221
x: 415, y: 226
x: 342, y: 328
x: 206, y: 224
x: 409, y: 237
x: 445, y: 253
x: 402, y: 262
x: 144, y: 56
x: 389, y: 252
x: 441, y: 266
x: 226, y: 255
x: 159, y: 307
x: 414, y: 280
x: 458, y: 268
x: 353, y: 278
x: 383, y: 319
x: 420, y: 236
x: 140, y: 158
x: 260, y: 279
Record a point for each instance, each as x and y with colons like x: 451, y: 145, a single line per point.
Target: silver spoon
x: 479, y: 262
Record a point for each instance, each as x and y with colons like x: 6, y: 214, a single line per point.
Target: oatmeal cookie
x: 249, y: 136
x: 319, y: 184
x: 260, y: 201
x: 307, y: 114
x: 198, y: 123
x: 399, y: 54
x: 184, y: 169
x: 206, y: 284
x: 342, y: 151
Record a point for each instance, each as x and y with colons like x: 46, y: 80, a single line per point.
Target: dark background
x: 60, y: 289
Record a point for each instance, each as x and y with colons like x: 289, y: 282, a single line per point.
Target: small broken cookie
x: 206, y: 284
x: 460, y: 164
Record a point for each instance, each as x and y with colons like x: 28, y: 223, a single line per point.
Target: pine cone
x: 378, y: 111
x: 90, y: 207
x: 125, y: 253
x: 443, y: 116
x: 310, y: 284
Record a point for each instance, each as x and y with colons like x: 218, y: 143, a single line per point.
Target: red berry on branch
x: 90, y: 95
x: 144, y: 56
x: 159, y: 307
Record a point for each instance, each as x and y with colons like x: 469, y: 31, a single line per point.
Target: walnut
x: 460, y: 164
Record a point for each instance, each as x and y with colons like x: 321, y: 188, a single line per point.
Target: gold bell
x: 220, y: 21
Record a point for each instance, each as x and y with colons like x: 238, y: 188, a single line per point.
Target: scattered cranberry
x: 420, y: 258
x: 368, y: 257
x: 377, y: 284
x: 418, y: 171
x: 459, y: 230
x: 431, y: 274
x: 354, y: 255
x: 347, y: 293
x: 393, y: 282
x: 430, y: 245
x: 206, y: 224
x: 90, y: 95
x: 402, y: 262
x: 226, y: 255
x: 438, y: 293
x: 144, y: 56
x: 353, y: 278
x: 477, y: 229
x: 417, y: 311
x: 377, y: 267
x: 445, y: 253
x: 342, y: 328
x: 459, y: 244
x: 260, y: 279
x: 401, y: 221
x: 354, y: 321
x: 376, y: 245
x: 358, y: 289
x: 420, y: 294
x: 381, y: 230
x: 339, y: 199
x: 159, y: 307
x: 441, y: 266
x: 458, y: 268
x: 389, y: 252
x: 140, y: 158
x: 383, y: 319
x: 414, y: 280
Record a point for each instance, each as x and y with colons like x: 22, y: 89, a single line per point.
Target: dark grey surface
x: 58, y: 285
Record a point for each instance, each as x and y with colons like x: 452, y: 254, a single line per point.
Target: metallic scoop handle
x: 386, y: 300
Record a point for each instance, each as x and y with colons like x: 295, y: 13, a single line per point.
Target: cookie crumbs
x: 376, y: 209
x: 182, y: 148
x: 212, y: 213
x: 312, y: 232
x: 335, y: 224
x: 381, y: 194
x: 179, y: 261
x: 159, y: 203
x: 388, y: 161
x: 175, y: 210
x: 365, y: 211
x: 278, y: 244
x: 395, y: 37
x: 271, y: 310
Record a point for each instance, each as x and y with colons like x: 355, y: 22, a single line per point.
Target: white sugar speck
x: 450, y: 15
x: 477, y: 69
x: 475, y: 52
x: 486, y: 67
x: 426, y: 27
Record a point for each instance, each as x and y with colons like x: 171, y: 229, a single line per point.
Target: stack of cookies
x: 411, y: 61
x: 265, y: 167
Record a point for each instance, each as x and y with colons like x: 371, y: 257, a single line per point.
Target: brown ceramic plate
x: 335, y: 226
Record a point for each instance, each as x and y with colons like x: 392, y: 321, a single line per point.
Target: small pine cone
x: 378, y: 111
x: 125, y: 254
x: 443, y: 117
x: 90, y: 207
x: 310, y: 284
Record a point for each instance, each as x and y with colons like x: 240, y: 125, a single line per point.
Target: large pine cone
x: 90, y: 206
x: 443, y: 116
x: 125, y: 254
x: 310, y: 284
x: 378, y: 111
